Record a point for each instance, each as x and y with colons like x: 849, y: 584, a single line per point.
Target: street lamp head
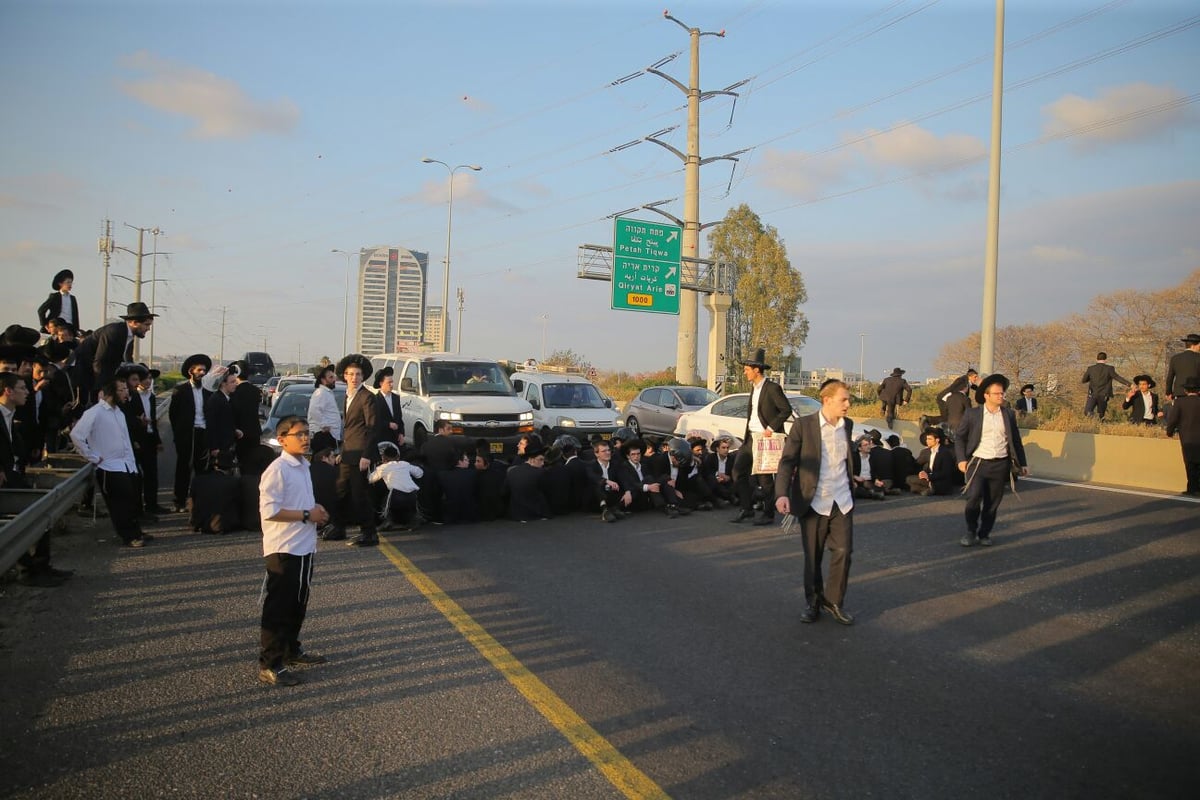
x: 474, y: 167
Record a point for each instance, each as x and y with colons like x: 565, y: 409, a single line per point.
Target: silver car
x: 657, y: 409
x: 727, y: 417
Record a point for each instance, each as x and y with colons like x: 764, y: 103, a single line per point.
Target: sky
x: 258, y: 136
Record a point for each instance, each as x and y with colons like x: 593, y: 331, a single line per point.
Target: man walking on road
x: 894, y: 390
x: 813, y: 484
x: 1099, y: 378
x: 1183, y: 365
x: 988, y: 434
x: 769, y: 409
x: 290, y: 516
x: 358, y: 448
x: 1185, y: 418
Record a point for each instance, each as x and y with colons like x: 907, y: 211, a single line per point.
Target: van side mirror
x: 519, y: 385
x: 535, y: 403
x: 608, y: 402
x: 406, y: 385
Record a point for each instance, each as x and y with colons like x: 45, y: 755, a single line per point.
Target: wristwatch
x: 306, y: 515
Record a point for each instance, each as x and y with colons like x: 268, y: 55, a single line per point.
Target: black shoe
x: 985, y: 541
x: 810, y: 614
x: 969, y: 540
x: 181, y: 508
x: 705, y: 506
x: 278, y: 677
x: 363, y: 541
x: 607, y: 516
x: 672, y: 512
x: 40, y: 580
x: 303, y: 659
x: 743, y: 516
x: 334, y: 535
x: 765, y: 520
x: 136, y: 543
x: 836, y: 612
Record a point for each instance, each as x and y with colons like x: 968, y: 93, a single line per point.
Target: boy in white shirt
x: 400, y: 477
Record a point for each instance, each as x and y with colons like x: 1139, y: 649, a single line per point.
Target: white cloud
x: 912, y: 147
x: 219, y: 107
x: 801, y: 174
x: 1094, y: 117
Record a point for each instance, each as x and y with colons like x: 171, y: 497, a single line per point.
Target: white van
x: 474, y: 394
x: 565, y: 402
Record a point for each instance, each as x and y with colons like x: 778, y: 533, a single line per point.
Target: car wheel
x: 633, y: 425
x: 419, y: 435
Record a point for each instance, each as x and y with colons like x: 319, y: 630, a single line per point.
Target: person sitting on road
x: 490, y: 484
x: 903, y: 463
x: 400, y: 477
x: 718, y: 470
x: 937, y: 473
x: 640, y: 490
x: 526, y: 500
x: 460, y: 488
x: 865, y: 485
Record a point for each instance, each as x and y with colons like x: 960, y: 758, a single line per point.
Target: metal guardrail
x: 25, y: 514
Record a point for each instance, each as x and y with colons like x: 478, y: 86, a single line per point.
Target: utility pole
x: 136, y: 280
x: 221, y: 353
x: 105, y: 247
x: 987, y: 330
x: 458, y: 341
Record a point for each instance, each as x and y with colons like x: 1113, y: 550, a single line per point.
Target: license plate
x: 606, y: 436
x: 496, y: 447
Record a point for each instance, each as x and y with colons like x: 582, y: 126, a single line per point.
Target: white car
x: 727, y: 417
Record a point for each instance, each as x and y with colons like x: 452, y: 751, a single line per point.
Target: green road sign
x: 646, y: 267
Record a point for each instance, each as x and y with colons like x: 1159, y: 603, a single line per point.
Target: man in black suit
x: 1099, y: 379
x: 894, y: 390
x: 389, y: 415
x: 61, y: 304
x: 188, y: 426
x: 821, y: 500
x: 937, y: 471
x: 718, y: 469
x: 1026, y: 403
x: 114, y: 342
x: 1141, y: 403
x: 986, y: 445
x: 904, y: 466
x: 245, y: 402
x: 769, y: 409
x: 1183, y: 365
x: 143, y: 405
x: 360, y: 440
x: 1185, y: 419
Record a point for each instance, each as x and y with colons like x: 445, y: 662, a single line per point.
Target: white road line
x: 1115, y: 490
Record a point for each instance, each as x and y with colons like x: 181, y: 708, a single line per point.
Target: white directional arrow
x: 671, y: 272
x: 672, y: 236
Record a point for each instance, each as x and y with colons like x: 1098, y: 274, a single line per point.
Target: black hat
x: 383, y: 373
x: 1028, y: 386
x: 759, y: 360
x: 938, y: 432
x: 356, y: 360
x: 151, y: 373
x: 63, y: 275
x: 1143, y: 377
x: 241, y: 368
x: 1191, y: 338
x: 995, y: 377
x: 55, y: 351
x: 17, y: 352
x: 534, y: 448
x: 897, y: 372
x: 137, y: 311
x: 127, y: 369
x: 1192, y: 384
x: 20, y: 335
x: 193, y: 360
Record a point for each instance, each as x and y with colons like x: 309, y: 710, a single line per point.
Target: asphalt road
x: 1062, y: 662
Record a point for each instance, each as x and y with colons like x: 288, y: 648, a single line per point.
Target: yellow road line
x: 619, y: 770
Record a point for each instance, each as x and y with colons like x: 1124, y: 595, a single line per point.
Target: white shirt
x: 102, y: 437
x: 756, y: 425
x: 398, y: 476
x: 933, y: 451
x: 1148, y: 404
x: 67, y: 312
x: 994, y: 441
x: 145, y: 398
x: 286, y: 484
x: 833, y: 484
x: 323, y: 412
x: 198, y: 399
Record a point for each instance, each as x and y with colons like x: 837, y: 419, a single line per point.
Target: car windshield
x: 695, y: 396
x: 571, y: 395
x: 804, y: 405
x: 296, y: 403
x: 465, y: 377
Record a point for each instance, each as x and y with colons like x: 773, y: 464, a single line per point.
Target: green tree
x: 768, y: 291
x: 566, y: 358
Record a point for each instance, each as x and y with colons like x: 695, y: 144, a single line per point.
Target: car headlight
x: 526, y: 416
x: 450, y: 415
x: 566, y: 422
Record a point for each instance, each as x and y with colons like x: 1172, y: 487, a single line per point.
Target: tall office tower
x: 391, y: 300
x: 433, y: 327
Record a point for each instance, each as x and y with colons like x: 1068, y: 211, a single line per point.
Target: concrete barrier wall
x: 1128, y: 461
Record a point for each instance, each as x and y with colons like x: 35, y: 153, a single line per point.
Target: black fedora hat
x: 137, y: 311
x: 1191, y: 338
x: 55, y: 351
x: 150, y: 372
x: 1144, y: 377
x: 241, y: 368
x: 63, y: 275
x: 386, y: 372
x: 129, y: 368
x: 897, y: 372
x: 355, y: 360
x: 1028, y: 386
x: 17, y: 353
x: 193, y: 360
x: 20, y: 335
x: 994, y: 378
x: 759, y: 360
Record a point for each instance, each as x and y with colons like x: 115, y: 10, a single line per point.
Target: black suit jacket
x: 219, y: 421
x: 970, y: 431
x: 246, y: 399
x: 773, y: 408
x: 1137, y: 408
x: 182, y: 411
x: 1183, y: 365
x: 12, y: 455
x: 114, y: 346
x: 945, y: 472
x: 360, y: 432
x: 712, y: 465
x: 957, y: 404
x: 1026, y: 405
x: 800, y: 464
x: 384, y: 414
x: 1099, y: 379
x: 53, y: 308
x: 1184, y: 419
x: 895, y: 389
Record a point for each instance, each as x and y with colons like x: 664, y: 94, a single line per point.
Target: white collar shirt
x: 833, y: 484
x: 198, y: 399
x: 398, y: 476
x: 323, y: 412
x: 1148, y: 404
x: 102, y: 437
x: 756, y: 425
x: 287, y: 485
x: 67, y: 312
x: 993, y: 443
x: 145, y: 396
x: 933, y: 451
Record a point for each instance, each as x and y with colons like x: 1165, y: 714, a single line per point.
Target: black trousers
x: 986, y: 479
x: 121, y: 492
x: 1191, y: 465
x: 745, y: 482
x: 284, y: 604
x: 147, y: 458
x: 889, y: 411
x: 833, y: 533
x: 354, y: 495
x: 1097, y: 404
x: 191, y: 456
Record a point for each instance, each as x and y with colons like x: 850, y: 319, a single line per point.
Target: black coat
x: 360, y: 431
x: 246, y: 399
x: 219, y: 420
x: 945, y: 475
x: 903, y: 465
x: 895, y: 389
x: 1184, y: 419
x: 12, y: 455
x: 1137, y: 409
x: 439, y: 452
x: 1183, y: 365
x: 53, y: 308
x: 773, y: 408
x: 182, y: 411
x: 1099, y: 379
x: 526, y: 499
x: 384, y: 415
x: 114, y: 347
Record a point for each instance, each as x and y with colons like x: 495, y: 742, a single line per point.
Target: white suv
x: 565, y: 402
x: 474, y: 394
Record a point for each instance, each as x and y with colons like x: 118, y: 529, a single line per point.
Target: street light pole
x: 545, y: 318
x: 346, y: 304
x: 862, y: 344
x: 444, y: 343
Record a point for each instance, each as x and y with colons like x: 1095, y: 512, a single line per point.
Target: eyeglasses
x: 299, y: 434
